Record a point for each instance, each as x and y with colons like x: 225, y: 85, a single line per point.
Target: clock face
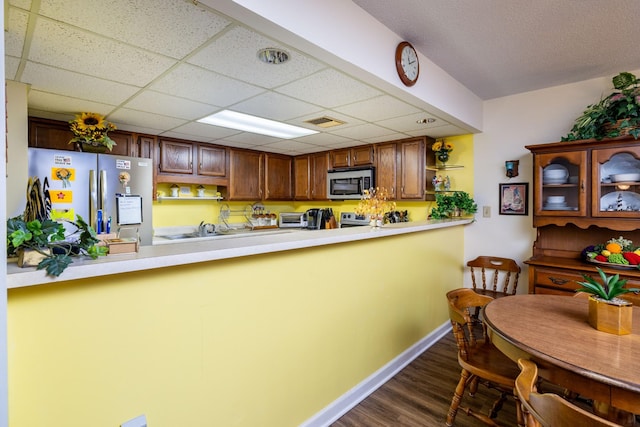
x: 407, y: 63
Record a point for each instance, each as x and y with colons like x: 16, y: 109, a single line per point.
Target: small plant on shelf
x: 450, y: 205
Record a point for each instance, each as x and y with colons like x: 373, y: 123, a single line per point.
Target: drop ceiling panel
x: 191, y: 82
x: 250, y: 139
x: 290, y: 147
x: 208, y: 132
x: 74, y: 85
x: 148, y: 120
x: 410, y: 123
x: 44, y: 101
x: 329, y: 88
x: 73, y: 49
x: 169, y: 35
x: 276, y: 107
x: 326, y: 140
x: 379, y: 108
x: 364, y: 131
x: 168, y: 105
x: 15, y: 32
x: 234, y: 54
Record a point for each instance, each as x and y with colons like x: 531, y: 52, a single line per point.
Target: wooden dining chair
x: 480, y: 361
x: 494, y: 276
x: 548, y: 409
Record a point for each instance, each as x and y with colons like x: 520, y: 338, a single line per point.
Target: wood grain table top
x: 554, y: 330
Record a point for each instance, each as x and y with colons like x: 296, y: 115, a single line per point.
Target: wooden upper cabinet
x: 412, y: 169
x: 319, y: 167
x: 176, y: 157
x: 302, y: 178
x: 277, y: 177
x: 55, y: 135
x: 245, y: 175
x: 143, y: 147
x: 352, y: 157
x: 386, y: 168
x: 212, y: 161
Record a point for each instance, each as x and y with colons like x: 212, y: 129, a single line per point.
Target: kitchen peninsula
x: 189, y: 252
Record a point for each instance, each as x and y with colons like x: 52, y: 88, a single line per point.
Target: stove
x: 351, y: 219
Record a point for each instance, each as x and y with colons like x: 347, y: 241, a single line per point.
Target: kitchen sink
x: 234, y: 232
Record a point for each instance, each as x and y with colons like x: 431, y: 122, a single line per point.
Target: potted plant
x: 43, y: 244
x: 616, y: 115
x: 608, y: 312
x: 454, y: 204
x: 90, y: 132
x: 375, y: 203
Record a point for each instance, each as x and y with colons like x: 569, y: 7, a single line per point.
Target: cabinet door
x: 277, y: 177
x: 362, y: 156
x: 386, y: 168
x: 560, y: 184
x: 124, y: 142
x: 50, y: 134
x: 319, y: 167
x: 615, y: 182
x: 341, y: 158
x: 212, y: 161
x: 245, y: 175
x: 302, y: 178
x: 143, y: 147
x: 176, y: 157
x: 412, y: 165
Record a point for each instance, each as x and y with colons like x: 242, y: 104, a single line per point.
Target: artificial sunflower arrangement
x: 442, y: 149
x: 375, y: 203
x: 92, y: 129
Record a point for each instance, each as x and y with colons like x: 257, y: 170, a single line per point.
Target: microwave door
x: 346, y: 186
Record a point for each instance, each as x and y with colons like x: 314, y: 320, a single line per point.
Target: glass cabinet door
x: 616, y: 182
x: 560, y: 184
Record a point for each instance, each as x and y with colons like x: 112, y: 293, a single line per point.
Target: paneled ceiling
x: 156, y: 66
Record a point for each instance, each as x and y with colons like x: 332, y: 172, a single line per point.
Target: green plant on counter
x: 609, y: 289
x: 609, y: 116
x: 48, y: 239
x: 448, y: 204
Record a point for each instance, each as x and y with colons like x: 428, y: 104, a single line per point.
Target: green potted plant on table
x: 616, y: 115
x: 608, y: 312
x: 43, y: 244
x: 453, y: 204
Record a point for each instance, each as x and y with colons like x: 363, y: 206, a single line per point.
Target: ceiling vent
x: 325, y: 122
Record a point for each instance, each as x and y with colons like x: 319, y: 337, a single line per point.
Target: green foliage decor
x: 609, y: 116
x: 446, y: 204
x: 610, y: 288
x: 48, y: 238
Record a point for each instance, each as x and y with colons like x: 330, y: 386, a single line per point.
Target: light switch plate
x: 486, y: 211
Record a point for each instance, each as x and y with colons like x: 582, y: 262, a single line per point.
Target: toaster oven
x: 292, y: 220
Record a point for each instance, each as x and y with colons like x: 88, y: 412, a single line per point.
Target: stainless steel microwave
x: 344, y: 184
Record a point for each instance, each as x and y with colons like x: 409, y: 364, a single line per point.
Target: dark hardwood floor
x: 421, y: 393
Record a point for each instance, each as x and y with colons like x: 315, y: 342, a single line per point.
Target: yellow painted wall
x: 172, y: 213
x: 265, y: 340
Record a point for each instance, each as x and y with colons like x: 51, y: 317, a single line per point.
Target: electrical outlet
x: 486, y: 211
x: 140, y: 421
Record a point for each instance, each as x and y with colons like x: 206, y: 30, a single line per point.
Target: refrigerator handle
x: 103, y: 190
x: 93, y: 199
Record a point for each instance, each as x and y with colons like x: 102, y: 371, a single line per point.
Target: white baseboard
x: 357, y: 394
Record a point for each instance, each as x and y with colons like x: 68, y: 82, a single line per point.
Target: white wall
x: 511, y: 123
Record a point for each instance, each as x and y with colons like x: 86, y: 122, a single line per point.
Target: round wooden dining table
x: 553, y: 332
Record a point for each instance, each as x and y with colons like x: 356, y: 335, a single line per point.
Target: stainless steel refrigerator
x: 112, y: 193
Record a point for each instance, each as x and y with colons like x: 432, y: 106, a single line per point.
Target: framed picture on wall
x: 514, y: 198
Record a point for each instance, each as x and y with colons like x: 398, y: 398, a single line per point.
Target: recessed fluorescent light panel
x: 247, y: 123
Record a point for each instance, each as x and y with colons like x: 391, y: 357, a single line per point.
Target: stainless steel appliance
x: 292, y: 220
x: 109, y: 192
x: 317, y: 218
x: 343, y: 184
x: 351, y: 219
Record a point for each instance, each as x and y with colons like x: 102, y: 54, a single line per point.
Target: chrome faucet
x: 205, y: 229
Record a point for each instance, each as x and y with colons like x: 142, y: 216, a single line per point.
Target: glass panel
x: 560, y: 189
x: 620, y: 184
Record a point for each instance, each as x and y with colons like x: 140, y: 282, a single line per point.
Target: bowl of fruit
x: 616, y: 253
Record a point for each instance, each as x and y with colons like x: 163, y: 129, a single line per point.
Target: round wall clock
x: 407, y: 63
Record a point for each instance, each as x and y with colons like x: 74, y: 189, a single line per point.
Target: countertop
x: 210, y: 249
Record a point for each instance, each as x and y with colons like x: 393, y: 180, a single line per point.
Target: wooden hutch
x: 590, y: 207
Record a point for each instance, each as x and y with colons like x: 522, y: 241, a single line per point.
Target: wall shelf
x: 161, y: 198
x: 443, y: 167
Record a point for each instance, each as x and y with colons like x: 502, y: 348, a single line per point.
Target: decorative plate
x: 630, y: 201
x: 614, y: 265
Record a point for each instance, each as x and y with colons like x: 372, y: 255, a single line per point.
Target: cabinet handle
x: 557, y: 281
